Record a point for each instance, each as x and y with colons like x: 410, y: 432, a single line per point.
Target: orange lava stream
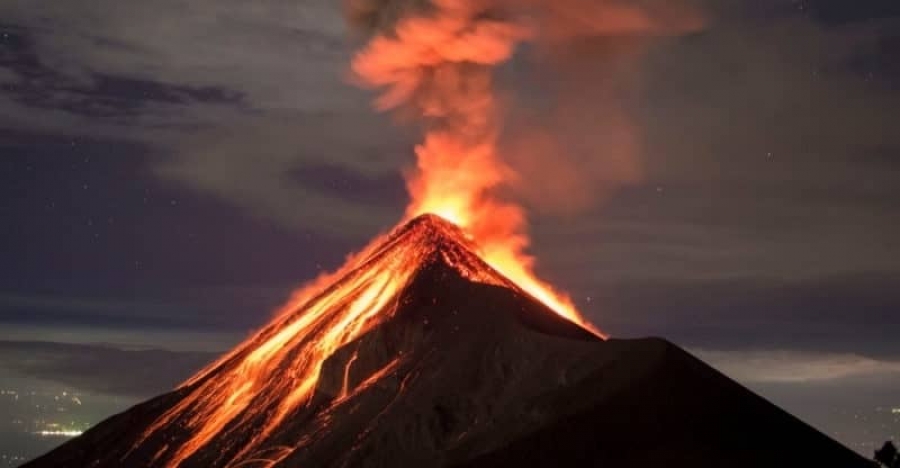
x: 439, y: 65
x: 454, y: 181
x: 273, y: 374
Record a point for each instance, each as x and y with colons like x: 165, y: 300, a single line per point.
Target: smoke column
x: 435, y: 61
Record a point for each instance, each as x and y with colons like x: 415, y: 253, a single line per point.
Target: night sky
x: 171, y: 170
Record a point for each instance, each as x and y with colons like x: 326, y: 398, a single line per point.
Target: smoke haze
x: 559, y: 143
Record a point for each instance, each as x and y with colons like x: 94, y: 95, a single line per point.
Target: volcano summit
x: 422, y: 355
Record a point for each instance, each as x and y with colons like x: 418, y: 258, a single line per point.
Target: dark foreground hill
x: 465, y: 370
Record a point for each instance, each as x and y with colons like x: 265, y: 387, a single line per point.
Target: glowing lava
x: 439, y: 66
x: 272, y: 375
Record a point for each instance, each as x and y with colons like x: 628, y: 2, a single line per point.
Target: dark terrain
x: 486, y: 376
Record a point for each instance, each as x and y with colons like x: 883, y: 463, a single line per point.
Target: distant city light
x: 59, y: 433
x: 895, y: 410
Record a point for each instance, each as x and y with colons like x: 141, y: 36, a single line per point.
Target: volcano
x: 422, y: 355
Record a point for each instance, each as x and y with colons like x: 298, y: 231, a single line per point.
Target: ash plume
x: 435, y: 62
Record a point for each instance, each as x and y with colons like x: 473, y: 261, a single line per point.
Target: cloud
x: 257, y: 164
x: 99, y: 306
x: 767, y: 150
x: 796, y: 367
x: 104, y: 312
x: 764, y: 128
x: 261, y: 96
x: 226, y: 308
x: 229, y: 44
x: 101, y: 368
x: 843, y: 314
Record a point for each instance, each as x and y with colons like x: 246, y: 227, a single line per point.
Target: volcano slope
x: 461, y: 368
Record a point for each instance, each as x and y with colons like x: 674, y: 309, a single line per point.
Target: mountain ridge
x: 464, y: 369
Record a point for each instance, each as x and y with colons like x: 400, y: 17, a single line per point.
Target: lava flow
x: 274, y: 373
x: 439, y: 65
